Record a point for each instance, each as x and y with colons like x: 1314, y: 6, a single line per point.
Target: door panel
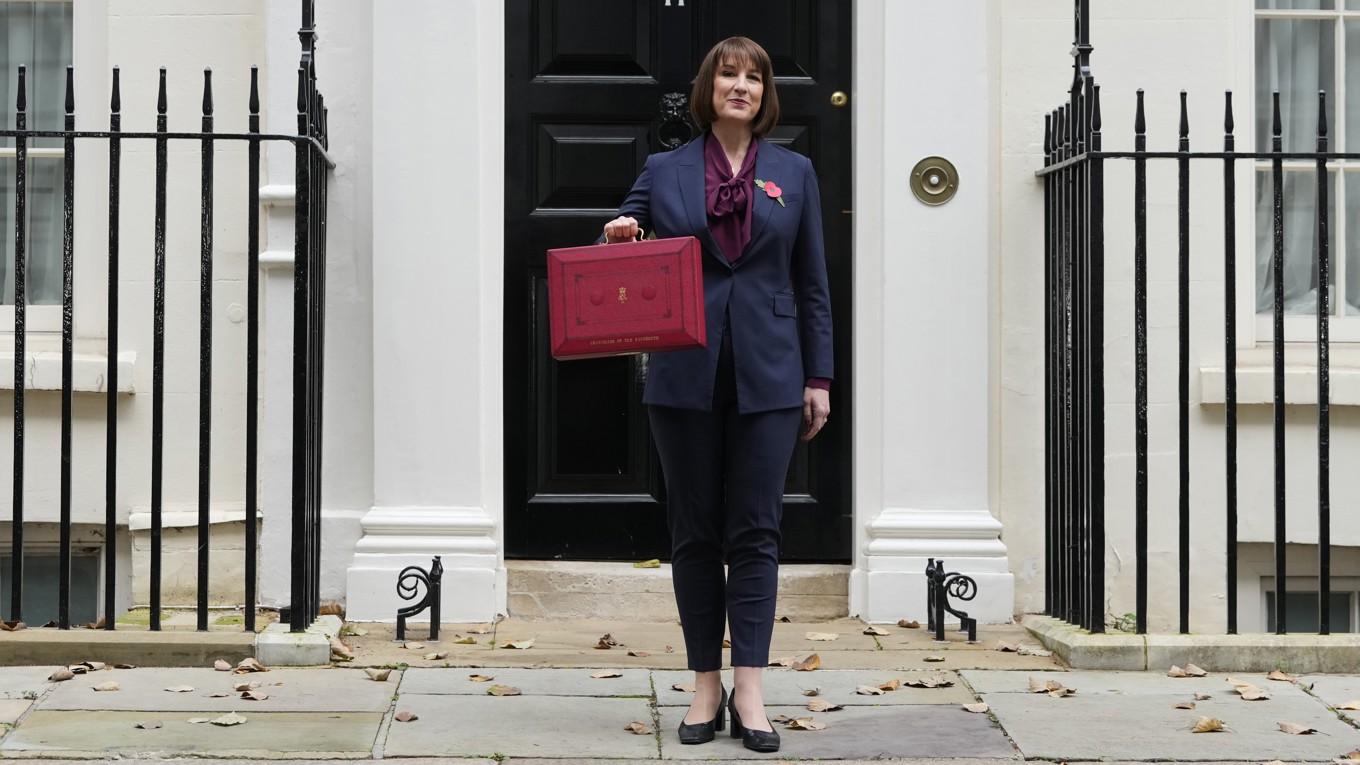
x: 589, y: 85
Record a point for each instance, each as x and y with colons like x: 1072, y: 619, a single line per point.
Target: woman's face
x: 737, y: 89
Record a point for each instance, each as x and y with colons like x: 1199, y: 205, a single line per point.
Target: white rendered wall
x: 438, y: 155
x: 1162, y: 47
x: 923, y: 275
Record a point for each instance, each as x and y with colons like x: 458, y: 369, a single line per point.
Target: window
x: 41, y: 579
x: 1303, y: 46
x: 1301, y: 611
x: 36, y: 35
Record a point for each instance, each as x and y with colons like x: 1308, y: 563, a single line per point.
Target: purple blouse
x: 728, y: 199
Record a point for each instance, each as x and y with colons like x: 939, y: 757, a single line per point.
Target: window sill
x: 1256, y: 377
x: 89, y: 369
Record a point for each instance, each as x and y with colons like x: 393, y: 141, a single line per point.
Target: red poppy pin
x: 772, y: 191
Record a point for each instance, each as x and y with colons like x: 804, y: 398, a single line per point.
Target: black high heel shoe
x: 703, y: 732
x: 755, y: 740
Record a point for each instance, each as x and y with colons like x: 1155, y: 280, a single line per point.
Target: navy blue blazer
x: 775, y: 294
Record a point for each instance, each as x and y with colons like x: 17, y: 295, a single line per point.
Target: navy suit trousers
x: 725, y: 474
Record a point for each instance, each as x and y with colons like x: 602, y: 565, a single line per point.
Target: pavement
x: 564, y: 713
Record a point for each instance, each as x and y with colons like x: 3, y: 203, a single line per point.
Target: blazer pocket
x: 784, y: 304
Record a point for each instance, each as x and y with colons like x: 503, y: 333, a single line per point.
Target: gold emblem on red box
x: 623, y: 294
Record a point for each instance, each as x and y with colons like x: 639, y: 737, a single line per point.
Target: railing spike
x: 254, y: 90
x: 1227, y: 112
x: 160, y: 94
x: 1275, y: 125
x: 1048, y: 134
x: 207, y: 92
x: 1185, y: 117
x: 1322, y: 113
x: 70, y: 90
x: 1139, y: 119
x: 21, y: 102
x: 1095, y: 108
x: 302, y: 90
x: 116, y: 99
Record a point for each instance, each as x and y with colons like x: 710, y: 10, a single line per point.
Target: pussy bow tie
x: 727, y: 196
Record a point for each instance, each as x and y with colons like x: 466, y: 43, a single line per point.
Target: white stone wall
x: 1161, y: 46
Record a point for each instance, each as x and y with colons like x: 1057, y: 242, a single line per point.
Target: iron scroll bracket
x: 942, y: 585
x: 409, y: 582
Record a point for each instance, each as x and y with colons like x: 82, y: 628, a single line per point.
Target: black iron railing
x: 310, y: 146
x: 1074, y: 246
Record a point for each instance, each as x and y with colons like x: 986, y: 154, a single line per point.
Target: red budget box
x: 627, y: 297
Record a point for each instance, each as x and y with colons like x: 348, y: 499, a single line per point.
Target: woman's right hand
x: 621, y: 229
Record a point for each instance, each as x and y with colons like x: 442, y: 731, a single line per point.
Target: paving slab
x: 531, y: 682
x: 24, y: 682
x: 265, y: 735
x: 1335, y: 690
x: 785, y: 687
x: 520, y: 726
x: 289, y: 690
x: 1146, y: 726
x: 856, y: 732
x: 1089, y: 683
x: 12, y: 709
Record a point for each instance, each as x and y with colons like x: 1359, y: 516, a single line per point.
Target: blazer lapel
x: 767, y: 169
x: 690, y: 173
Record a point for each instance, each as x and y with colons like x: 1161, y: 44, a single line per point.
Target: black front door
x: 592, y: 88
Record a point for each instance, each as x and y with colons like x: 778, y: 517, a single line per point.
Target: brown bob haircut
x: 737, y: 51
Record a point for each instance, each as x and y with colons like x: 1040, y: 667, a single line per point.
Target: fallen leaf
x: 606, y: 673
x: 520, y: 644
x: 1350, y: 706
x: 822, y: 705
x: 606, y: 642
x: 469, y: 640
x: 781, y: 719
x: 929, y: 681
x: 890, y: 685
x: 682, y: 687
x: 1234, y: 682
x: 1351, y: 756
x: 1186, y: 705
x: 78, y: 669
x: 435, y: 656
x: 1007, y: 647
x: 11, y: 626
x: 125, y: 666
x: 405, y: 715
x: 413, y: 646
x: 380, y: 675
x: 152, y: 725
x: 254, y: 695
x: 805, y: 723
x: 1252, y: 693
x: 1201, y: 697
x: 250, y: 664
x: 502, y: 690
x: 230, y: 718
x: 1058, y: 693
x: 180, y: 688
x: 976, y: 708
x: 822, y: 635
x: 934, y: 658
x: 481, y: 678
x: 245, y: 686
x: 812, y: 691
x: 111, y: 685
x: 1208, y: 725
x: 94, y: 666
x: 97, y: 624
x: 783, y: 661
x: 1033, y: 651
x: 669, y: 649
x: 727, y: 643
x: 638, y: 728
x: 61, y: 674
x: 869, y: 690
x: 197, y: 720
x: 808, y: 663
x: 650, y: 563
x: 221, y: 666
x: 218, y: 695
x: 784, y: 619
x: 1193, y: 671
x: 478, y: 630
x: 639, y: 653
x: 1295, y: 729
x: 350, y: 629
x: 1276, y: 674
x: 1176, y: 671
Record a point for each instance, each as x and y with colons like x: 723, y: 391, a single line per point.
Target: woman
x: 725, y: 418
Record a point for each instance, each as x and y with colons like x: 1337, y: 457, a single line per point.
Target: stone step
x: 542, y: 589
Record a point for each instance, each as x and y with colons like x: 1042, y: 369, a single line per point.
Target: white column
x: 438, y: 152
x: 924, y: 284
